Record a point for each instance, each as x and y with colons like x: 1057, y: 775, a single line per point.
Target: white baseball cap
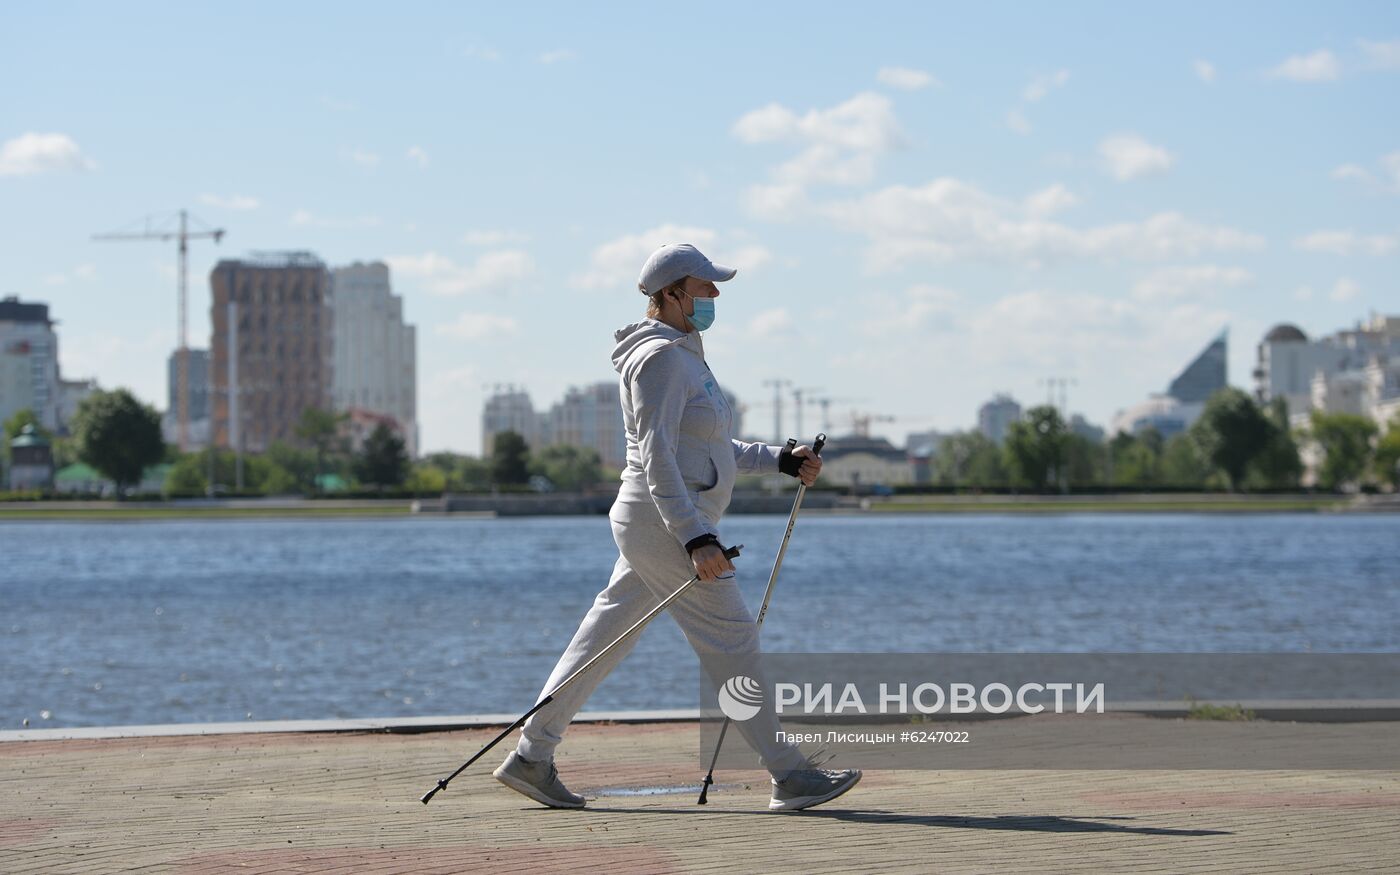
x: 675, y: 261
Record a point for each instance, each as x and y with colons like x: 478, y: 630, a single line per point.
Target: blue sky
x: 928, y: 203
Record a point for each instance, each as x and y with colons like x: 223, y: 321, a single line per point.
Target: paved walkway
x: 313, y: 802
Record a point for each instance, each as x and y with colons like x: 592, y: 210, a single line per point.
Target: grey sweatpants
x: 712, y: 614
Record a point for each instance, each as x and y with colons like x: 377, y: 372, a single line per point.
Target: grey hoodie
x: 680, y: 455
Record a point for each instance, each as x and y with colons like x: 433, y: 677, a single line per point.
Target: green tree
x: 320, y: 430
x: 968, y: 458
x: 1345, y: 439
x: 1035, y: 447
x: 463, y: 473
x: 510, y: 459
x: 1386, y: 459
x: 1084, y: 461
x: 188, y: 476
x: 1137, y: 459
x: 298, y: 464
x: 382, y: 461
x: 568, y: 467
x: 118, y: 436
x: 1182, y: 463
x: 1278, y: 465
x: 426, y: 478
x: 1232, y: 430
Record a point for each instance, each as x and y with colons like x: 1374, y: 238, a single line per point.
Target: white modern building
x: 1177, y: 410
x: 28, y: 362
x: 1288, y: 361
x: 375, y: 353
x: 994, y: 418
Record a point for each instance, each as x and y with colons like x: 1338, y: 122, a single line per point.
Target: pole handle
x: 819, y: 443
x: 733, y: 552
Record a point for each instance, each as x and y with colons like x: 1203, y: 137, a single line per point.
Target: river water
x: 112, y: 623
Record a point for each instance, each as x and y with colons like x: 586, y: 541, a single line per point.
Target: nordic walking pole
x: 731, y: 553
x: 768, y: 594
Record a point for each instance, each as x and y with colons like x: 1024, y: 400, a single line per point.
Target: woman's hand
x: 710, y: 562
x: 811, y: 464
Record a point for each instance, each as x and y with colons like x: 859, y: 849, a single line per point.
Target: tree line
x: 1236, y: 444
x: 120, y: 437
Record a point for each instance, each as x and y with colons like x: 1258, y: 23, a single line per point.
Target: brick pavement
x: 321, y: 802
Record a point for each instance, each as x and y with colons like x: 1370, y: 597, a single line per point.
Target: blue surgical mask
x: 704, y: 315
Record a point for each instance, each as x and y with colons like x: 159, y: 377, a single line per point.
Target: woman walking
x: 681, y: 465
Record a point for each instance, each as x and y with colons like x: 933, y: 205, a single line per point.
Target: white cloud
x: 1205, y: 70
x: 479, y: 326
x: 617, y: 262
x: 81, y: 273
x: 417, y: 155
x: 307, y: 219
x: 363, y: 157
x: 1177, y: 283
x: 1351, y: 171
x: 1348, y: 243
x: 905, y: 78
x: 557, y: 56
x: 840, y: 146
x: 494, y: 238
x: 1381, y: 56
x: 1302, y: 293
x: 232, y: 202
x: 1319, y: 66
x: 1017, y: 122
x: 481, y: 53
x: 917, y: 311
x: 440, y: 275
x: 1128, y: 156
x: 770, y: 324
x: 748, y: 258
x: 950, y: 219
x: 1391, y: 165
x: 1385, y: 180
x: 1344, y: 289
x: 776, y: 203
x: 31, y: 153
x: 1043, y: 84
x: 1051, y: 200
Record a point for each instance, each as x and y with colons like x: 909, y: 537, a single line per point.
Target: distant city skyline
x: 927, y: 205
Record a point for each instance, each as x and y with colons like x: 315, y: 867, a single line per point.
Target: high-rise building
x: 28, y: 362
x: 197, y: 435
x: 995, y: 417
x: 375, y: 352
x: 1205, y: 375
x: 271, y: 349
x: 198, y: 383
x: 508, y: 409
x: 591, y: 417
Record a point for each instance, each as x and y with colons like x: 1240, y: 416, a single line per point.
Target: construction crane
x: 160, y: 228
x: 797, y: 405
x: 825, y: 404
x: 860, y: 422
x: 778, y: 385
